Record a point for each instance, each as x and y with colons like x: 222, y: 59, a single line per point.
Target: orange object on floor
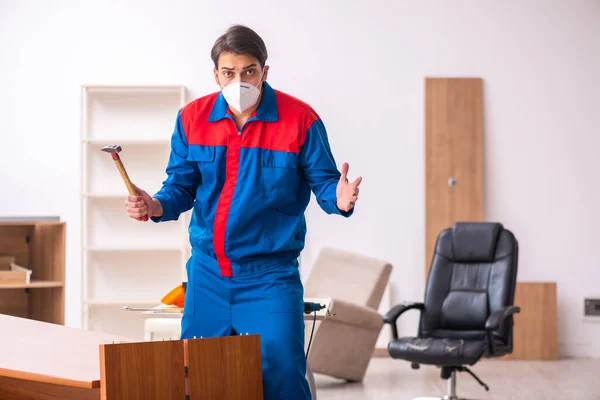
x: 175, y: 297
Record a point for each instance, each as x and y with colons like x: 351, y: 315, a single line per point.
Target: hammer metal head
x: 113, y: 148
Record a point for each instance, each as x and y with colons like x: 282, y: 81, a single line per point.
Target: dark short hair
x: 239, y: 39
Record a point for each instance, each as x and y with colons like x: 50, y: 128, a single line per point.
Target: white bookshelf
x: 127, y: 262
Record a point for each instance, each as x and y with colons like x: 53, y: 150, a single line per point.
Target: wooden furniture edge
x: 102, y: 384
x: 28, y: 376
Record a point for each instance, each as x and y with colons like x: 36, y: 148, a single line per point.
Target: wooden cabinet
x: 40, y: 247
x: 453, y: 155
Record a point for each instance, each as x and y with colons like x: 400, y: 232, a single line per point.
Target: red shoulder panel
x: 288, y: 133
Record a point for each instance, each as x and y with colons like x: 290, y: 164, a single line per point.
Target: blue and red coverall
x: 249, y: 187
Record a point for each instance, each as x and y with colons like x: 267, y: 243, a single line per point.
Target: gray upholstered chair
x: 343, y: 345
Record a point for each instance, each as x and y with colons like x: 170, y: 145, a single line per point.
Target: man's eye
x: 228, y: 74
x: 250, y: 72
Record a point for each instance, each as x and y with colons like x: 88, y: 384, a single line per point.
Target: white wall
x: 361, y: 65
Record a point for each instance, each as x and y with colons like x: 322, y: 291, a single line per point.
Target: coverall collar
x: 266, y: 111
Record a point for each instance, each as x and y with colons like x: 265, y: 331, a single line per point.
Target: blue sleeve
x: 319, y: 169
x: 178, y: 192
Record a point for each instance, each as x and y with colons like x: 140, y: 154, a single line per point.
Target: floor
x: 572, y: 379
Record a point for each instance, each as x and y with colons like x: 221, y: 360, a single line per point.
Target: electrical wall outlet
x: 592, y: 307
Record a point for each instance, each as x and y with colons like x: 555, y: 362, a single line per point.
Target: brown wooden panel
x: 47, y: 251
x: 47, y: 261
x: 13, y: 241
x: 14, y: 302
x: 142, y: 371
x: 34, y: 284
x: 47, y: 305
x: 21, y: 389
x: 453, y: 149
x: 225, y: 368
x: 536, y: 326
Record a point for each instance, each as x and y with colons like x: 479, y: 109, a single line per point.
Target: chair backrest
x: 348, y: 276
x: 473, y: 273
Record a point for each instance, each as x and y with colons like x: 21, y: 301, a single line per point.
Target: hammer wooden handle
x: 125, y: 177
x: 127, y: 181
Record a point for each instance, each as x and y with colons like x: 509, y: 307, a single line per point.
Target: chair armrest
x: 354, y: 314
x: 395, y: 312
x: 493, y: 322
x: 495, y: 319
x: 392, y: 315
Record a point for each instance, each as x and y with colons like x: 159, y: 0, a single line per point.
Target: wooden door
x: 453, y: 155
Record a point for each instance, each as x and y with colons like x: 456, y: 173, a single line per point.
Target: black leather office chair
x: 468, y: 305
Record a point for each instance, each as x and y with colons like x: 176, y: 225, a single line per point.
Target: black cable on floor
x: 311, y: 334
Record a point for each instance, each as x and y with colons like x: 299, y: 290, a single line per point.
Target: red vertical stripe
x: 232, y: 164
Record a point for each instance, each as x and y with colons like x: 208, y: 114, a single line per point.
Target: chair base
x: 452, y: 384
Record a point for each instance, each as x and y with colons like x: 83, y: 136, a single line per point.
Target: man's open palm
x: 347, y: 193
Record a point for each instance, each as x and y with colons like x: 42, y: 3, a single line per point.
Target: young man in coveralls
x: 246, y: 159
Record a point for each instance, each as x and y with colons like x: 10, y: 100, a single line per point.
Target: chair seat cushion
x: 441, y: 352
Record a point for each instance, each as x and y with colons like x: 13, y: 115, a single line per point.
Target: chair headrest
x: 475, y: 241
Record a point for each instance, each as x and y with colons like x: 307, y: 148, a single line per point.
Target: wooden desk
x: 43, y: 361
x: 48, y: 361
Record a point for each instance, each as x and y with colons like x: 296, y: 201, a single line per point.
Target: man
x: 246, y: 159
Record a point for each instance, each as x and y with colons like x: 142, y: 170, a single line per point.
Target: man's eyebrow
x: 231, y: 69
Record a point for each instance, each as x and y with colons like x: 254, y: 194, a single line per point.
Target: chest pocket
x: 205, y: 157
x: 279, y: 175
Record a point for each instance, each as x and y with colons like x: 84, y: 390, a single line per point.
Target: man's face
x: 239, y: 68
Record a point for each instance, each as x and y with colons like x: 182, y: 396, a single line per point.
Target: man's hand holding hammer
x: 140, y: 205
x: 143, y: 204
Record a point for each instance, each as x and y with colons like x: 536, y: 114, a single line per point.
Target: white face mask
x: 241, y: 95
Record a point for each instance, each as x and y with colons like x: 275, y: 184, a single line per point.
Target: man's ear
x: 216, y: 75
x: 265, y: 73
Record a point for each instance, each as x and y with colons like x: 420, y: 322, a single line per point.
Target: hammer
x: 114, y: 151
